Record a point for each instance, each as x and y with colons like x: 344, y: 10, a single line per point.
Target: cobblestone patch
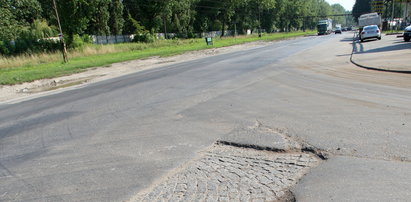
x: 228, y: 173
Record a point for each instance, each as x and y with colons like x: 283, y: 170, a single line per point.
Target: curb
x: 373, y: 68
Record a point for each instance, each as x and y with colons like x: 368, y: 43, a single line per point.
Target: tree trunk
x: 223, y: 28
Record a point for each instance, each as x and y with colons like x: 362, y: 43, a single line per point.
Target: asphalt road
x: 109, y: 140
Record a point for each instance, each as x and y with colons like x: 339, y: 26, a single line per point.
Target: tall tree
x: 150, y: 13
x: 98, y: 17
x: 26, y: 10
x: 116, y: 21
x: 361, y: 7
x: 338, y: 9
x: 8, y: 22
x: 15, y: 15
x: 74, y: 17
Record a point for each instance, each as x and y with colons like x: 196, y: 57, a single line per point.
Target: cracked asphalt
x: 118, y: 139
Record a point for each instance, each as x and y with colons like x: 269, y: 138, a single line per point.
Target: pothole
x: 249, y: 164
x: 229, y: 173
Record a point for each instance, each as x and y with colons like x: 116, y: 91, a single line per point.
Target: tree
x: 98, y: 17
x: 16, y: 15
x: 150, y: 13
x: 361, y: 7
x: 116, y: 21
x: 74, y: 17
x: 338, y: 9
x: 26, y: 10
x: 9, y: 26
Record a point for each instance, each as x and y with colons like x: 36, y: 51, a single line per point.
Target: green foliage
x: 99, y: 16
x: 16, y: 15
x: 4, y: 48
x: 337, y: 8
x: 74, y: 16
x: 145, y: 37
x: 9, y: 27
x: 32, y: 39
x: 77, y: 42
x: 116, y: 21
x: 361, y: 7
x: 87, y: 39
x: 39, y: 29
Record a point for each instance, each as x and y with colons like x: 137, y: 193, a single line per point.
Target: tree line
x: 37, y: 18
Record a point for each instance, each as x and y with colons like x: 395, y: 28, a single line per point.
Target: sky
x: 347, y: 4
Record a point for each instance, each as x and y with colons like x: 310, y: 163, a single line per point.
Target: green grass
x: 118, y: 53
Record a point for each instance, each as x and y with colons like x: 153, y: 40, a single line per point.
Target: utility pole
x: 63, y: 44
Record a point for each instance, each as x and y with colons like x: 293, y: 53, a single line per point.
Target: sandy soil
x: 20, y: 92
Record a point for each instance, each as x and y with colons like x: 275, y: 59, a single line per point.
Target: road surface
x: 109, y: 140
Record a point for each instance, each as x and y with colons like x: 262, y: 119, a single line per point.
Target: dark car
x: 407, y: 33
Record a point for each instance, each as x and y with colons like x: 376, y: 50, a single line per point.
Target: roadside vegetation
x: 28, y: 68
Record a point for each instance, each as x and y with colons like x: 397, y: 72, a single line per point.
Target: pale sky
x: 347, y: 4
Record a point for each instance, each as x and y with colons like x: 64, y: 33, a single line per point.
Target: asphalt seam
x: 373, y: 68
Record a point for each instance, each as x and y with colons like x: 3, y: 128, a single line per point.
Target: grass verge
x: 96, y: 56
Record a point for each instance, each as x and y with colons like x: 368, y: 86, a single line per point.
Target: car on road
x: 370, y: 32
x: 407, y: 34
x: 338, y: 30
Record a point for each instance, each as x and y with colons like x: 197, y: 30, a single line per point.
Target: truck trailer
x: 369, y: 19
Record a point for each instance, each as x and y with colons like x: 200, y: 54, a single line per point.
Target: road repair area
x: 292, y: 120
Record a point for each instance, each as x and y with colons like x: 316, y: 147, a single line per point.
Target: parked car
x: 370, y: 32
x: 407, y: 33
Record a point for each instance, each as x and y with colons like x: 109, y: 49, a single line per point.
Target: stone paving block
x: 228, y: 173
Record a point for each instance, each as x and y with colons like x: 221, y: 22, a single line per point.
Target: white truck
x: 369, y: 19
x: 325, y: 26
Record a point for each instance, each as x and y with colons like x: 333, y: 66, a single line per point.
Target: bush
x: 77, y: 42
x: 191, y: 35
x: 4, y: 49
x: 45, y: 45
x: 144, y: 37
x: 87, y: 38
x: 74, y: 42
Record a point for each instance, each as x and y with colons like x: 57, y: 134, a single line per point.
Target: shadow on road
x: 347, y: 39
x: 361, y: 49
x: 394, y: 47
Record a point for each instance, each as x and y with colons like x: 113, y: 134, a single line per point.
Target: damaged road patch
x: 229, y: 172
